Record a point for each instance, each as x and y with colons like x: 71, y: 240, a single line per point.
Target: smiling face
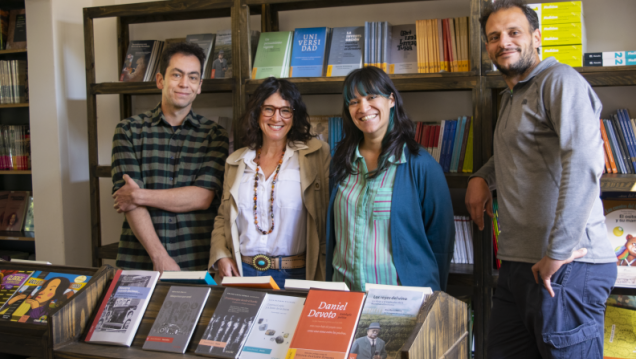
x: 48, y: 291
x: 181, y: 84
x: 371, y: 113
x: 275, y: 128
x: 510, y: 43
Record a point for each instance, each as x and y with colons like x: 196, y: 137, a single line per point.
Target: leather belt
x: 262, y: 262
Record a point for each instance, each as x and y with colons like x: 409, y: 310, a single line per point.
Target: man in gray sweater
x: 558, y: 267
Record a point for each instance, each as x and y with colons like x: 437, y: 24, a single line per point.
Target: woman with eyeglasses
x: 271, y: 220
x: 390, y: 218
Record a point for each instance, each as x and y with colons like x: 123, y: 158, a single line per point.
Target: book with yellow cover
x: 265, y: 282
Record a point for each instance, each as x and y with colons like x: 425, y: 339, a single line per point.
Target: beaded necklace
x: 271, y: 205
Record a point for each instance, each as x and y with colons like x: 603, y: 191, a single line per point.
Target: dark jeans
x: 527, y: 323
x: 279, y: 275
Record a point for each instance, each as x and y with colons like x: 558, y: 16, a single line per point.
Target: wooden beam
x: 150, y: 88
x: 158, y: 8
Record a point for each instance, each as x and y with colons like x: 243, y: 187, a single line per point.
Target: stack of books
x: 562, y: 31
x: 13, y: 82
x: 463, y: 253
x: 15, y: 148
x: 442, y: 45
x: 619, y: 143
x: 617, y: 58
x: 450, y: 143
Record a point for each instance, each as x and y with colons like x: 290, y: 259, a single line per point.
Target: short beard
x: 518, y: 68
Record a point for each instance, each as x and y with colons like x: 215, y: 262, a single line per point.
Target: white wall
x: 58, y: 110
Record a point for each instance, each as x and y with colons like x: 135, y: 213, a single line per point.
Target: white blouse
x: 288, y: 236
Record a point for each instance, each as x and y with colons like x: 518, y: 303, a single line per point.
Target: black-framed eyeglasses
x: 269, y: 111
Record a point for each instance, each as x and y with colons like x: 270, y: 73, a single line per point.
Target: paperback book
x: 177, y: 319
x: 403, y: 50
x: 15, y: 211
x: 11, y: 281
x: 272, y: 55
x: 231, y: 323
x: 123, y: 307
x: 17, y: 38
x: 308, y: 55
x: 620, y: 220
x: 345, y: 50
x: 140, y: 60
x: 205, y: 42
x: 221, y: 65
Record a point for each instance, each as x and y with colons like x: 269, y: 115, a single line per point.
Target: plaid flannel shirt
x: 156, y: 156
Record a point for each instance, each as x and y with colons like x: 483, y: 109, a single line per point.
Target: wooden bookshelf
x: 14, y: 105
x: 17, y: 236
x: 15, y: 172
x: 16, y: 51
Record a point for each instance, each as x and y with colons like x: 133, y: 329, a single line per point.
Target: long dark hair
x: 365, y: 81
x: 301, y: 128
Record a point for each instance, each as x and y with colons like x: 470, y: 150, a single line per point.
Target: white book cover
x: 308, y: 284
x: 620, y: 220
x: 123, y: 307
x: 274, y: 328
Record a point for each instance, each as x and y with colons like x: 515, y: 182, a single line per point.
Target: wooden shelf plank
x: 596, y: 76
x: 17, y: 236
x: 14, y: 105
x: 108, y: 251
x: 15, y: 172
x: 613, y: 182
x: 282, y: 5
x: 404, y: 83
x: 16, y: 51
x: 150, y: 87
x: 189, y: 9
x: 457, y: 180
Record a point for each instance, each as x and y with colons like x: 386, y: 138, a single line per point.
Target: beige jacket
x: 314, y: 180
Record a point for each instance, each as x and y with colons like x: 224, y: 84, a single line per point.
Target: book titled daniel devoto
x: 327, y: 325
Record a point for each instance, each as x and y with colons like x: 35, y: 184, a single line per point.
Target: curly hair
x: 184, y: 48
x: 301, y: 128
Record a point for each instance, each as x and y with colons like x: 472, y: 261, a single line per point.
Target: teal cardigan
x: 422, y: 223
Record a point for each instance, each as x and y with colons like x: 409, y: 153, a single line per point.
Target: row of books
x: 13, y: 29
x: 15, y: 148
x: 619, y: 142
x: 614, y: 58
x: 16, y: 211
x: 25, y: 294
x: 450, y: 143
x: 249, y: 324
x: 442, y: 45
x: 13, y: 82
x: 463, y: 252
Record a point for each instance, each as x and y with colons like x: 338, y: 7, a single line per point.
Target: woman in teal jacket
x: 390, y: 217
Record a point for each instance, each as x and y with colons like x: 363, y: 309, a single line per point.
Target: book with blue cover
x: 345, y: 50
x: 449, y: 138
x: 308, y: 54
x: 459, y: 136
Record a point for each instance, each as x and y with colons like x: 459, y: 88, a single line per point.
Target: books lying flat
x: 345, y: 50
x: 190, y: 277
x: 369, y: 286
x: 388, y: 318
x: 12, y: 280
x: 41, y: 293
x: 272, y: 55
x: 177, y: 319
x: 327, y: 325
x: 231, y: 323
x: 123, y: 307
x: 308, y: 54
x: 309, y: 284
x: 265, y: 282
x: 274, y: 327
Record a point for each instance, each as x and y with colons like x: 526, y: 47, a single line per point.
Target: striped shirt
x: 157, y: 156
x: 362, y: 213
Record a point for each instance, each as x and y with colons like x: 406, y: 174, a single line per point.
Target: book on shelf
x: 327, y: 325
x: 231, y: 323
x: 387, y: 321
x: 221, y: 65
x: 345, y: 50
x: 442, y: 45
x: 141, y: 60
x: 12, y: 280
x: 206, y: 43
x: 609, y: 58
x: 265, y: 282
x: 620, y: 220
x: 123, y: 307
x: 15, y: 148
x: 274, y: 327
x: 619, y: 142
x: 13, y: 82
x: 190, y: 277
x: 301, y: 284
x: 463, y: 252
x: 273, y: 55
x: 426, y: 290
x: 4, y: 28
x: 29, y: 225
x: 450, y: 142
x: 43, y: 292
x: 177, y: 319
x: 309, y: 52
x: 403, y: 50
x: 620, y: 333
x: 377, y: 38
x: 17, y: 37
x: 14, y: 212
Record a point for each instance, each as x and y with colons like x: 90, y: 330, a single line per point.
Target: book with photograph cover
x: 177, y: 319
x: 17, y: 37
x: 137, y: 60
x: 220, y: 66
x: 231, y: 323
x: 123, y: 307
x: 15, y: 211
x: 206, y: 43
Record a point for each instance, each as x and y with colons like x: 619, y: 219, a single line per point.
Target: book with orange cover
x: 327, y: 325
x: 265, y: 282
x: 608, y: 149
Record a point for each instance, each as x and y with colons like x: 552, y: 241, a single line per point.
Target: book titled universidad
x: 308, y: 55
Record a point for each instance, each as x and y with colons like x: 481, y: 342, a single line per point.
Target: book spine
x: 608, y: 149
x: 627, y: 129
x: 615, y: 147
x: 450, y: 144
x: 440, y: 141
x: 109, y: 293
x: 622, y: 143
x: 462, y: 152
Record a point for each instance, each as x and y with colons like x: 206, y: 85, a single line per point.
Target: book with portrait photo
x: 138, y: 60
x: 15, y: 211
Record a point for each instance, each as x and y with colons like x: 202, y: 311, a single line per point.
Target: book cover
x: 206, y: 43
x: 620, y: 220
x: 622, y: 142
x: 618, y: 157
x: 459, y: 136
x: 190, y: 277
x: 271, y: 54
x: 345, y: 50
x: 274, y: 327
x: 221, y: 65
x: 231, y: 323
x: 17, y: 37
x: 620, y: 333
x: 308, y: 54
x: 123, y: 307
x: 15, y: 211
x: 11, y: 281
x: 177, y: 319
x: 403, y: 50
x: 137, y: 60
x: 302, y: 284
x: 462, y: 151
x: 387, y: 320
x: 29, y: 225
x: 265, y: 282
x: 327, y: 325
x: 41, y: 293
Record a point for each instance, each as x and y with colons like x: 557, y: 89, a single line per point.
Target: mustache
x: 518, y: 49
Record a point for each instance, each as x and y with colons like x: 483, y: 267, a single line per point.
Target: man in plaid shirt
x: 167, y: 169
